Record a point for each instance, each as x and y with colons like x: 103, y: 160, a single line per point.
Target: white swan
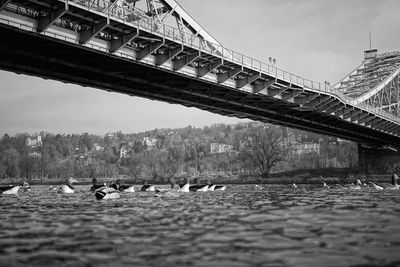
x: 68, y: 188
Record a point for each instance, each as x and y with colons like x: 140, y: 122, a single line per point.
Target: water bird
x: 25, y: 187
x: 198, y: 187
x: 394, y: 184
x: 53, y: 187
x: 184, y: 187
x: 171, y: 192
x: 213, y: 187
x: 107, y: 193
x: 294, y: 186
x: 147, y: 187
x: 325, y: 186
x: 9, y: 189
x: 124, y: 187
x: 96, y: 186
x: 356, y: 185
x: 257, y: 186
x: 374, y: 186
x: 220, y: 188
x: 68, y: 188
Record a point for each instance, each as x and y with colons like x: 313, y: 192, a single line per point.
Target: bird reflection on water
x: 244, y: 226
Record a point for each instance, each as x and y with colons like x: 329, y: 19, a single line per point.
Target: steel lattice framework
x: 375, y: 82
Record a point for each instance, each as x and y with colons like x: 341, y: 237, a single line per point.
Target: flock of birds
x: 104, y: 191
x: 358, y: 185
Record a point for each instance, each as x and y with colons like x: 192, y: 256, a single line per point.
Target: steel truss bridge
x: 119, y: 47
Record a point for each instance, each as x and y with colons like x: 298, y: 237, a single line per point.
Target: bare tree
x: 263, y: 148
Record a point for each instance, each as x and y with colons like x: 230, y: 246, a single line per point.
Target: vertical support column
x: 376, y: 159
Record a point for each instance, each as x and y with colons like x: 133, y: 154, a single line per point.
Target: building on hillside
x: 216, y: 148
x: 110, y: 135
x: 97, y: 147
x: 149, y: 142
x: 84, y: 159
x: 124, y: 152
x: 307, y: 148
x: 34, y: 141
x: 35, y: 154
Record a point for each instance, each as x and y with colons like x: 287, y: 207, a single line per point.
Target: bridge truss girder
x: 388, y: 98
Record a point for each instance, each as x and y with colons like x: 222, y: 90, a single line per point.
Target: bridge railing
x: 138, y: 19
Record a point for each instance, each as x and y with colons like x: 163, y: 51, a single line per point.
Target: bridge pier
x: 377, y: 160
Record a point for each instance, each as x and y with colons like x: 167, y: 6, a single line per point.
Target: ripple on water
x: 270, y: 226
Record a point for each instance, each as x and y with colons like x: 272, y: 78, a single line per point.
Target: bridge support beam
x: 45, y: 22
x: 201, y: 71
x: 334, y: 107
x: 170, y: 53
x: 262, y: 85
x: 3, y: 4
x: 245, y: 81
x: 116, y: 44
x: 306, y: 99
x: 86, y: 35
x: 291, y: 95
x: 222, y: 77
x: 375, y: 160
x: 148, y: 49
x: 178, y: 64
x: 272, y: 92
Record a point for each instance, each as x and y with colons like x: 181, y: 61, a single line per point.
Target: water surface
x: 243, y: 226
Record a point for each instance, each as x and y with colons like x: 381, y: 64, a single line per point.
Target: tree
x: 135, y: 164
x: 10, y: 160
x: 263, y: 148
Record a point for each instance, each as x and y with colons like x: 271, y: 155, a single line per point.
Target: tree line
x: 251, y: 148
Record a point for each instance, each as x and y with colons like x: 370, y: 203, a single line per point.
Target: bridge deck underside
x: 74, y: 63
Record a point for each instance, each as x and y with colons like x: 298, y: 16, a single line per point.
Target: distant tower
x: 370, y: 54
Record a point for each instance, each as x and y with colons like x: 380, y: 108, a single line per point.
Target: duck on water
x: 9, y: 189
x: 68, y: 188
x: 13, y: 189
x: 393, y: 186
x: 106, y: 193
x: 96, y: 186
x: 123, y: 188
x: 197, y: 187
x: 147, y: 187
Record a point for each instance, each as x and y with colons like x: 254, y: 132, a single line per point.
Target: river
x: 243, y: 226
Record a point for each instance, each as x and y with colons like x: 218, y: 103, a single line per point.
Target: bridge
x: 123, y: 47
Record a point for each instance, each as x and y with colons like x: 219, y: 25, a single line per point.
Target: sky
x: 322, y: 40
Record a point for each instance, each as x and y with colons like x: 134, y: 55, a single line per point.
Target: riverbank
x: 306, y: 176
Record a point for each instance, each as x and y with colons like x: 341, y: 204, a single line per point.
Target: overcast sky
x: 321, y: 40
